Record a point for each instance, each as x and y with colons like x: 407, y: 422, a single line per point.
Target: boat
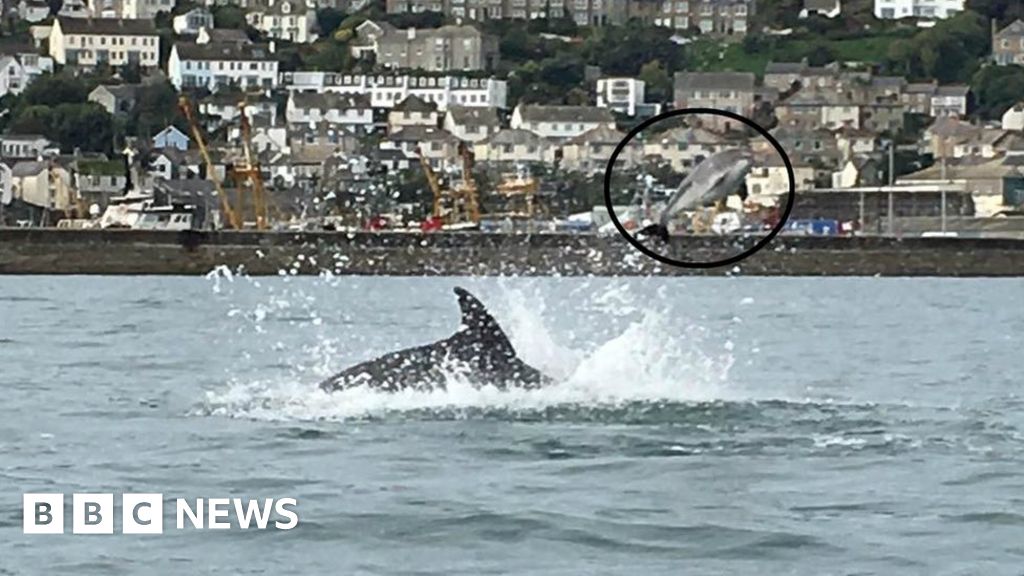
x: 145, y: 210
x: 142, y: 211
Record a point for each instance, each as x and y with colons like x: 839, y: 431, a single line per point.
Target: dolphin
x: 710, y: 183
x: 479, y: 349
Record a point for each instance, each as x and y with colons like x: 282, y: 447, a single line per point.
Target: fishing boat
x: 145, y: 209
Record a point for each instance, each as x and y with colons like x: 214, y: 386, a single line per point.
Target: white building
x: 90, y: 41
x: 622, y: 95
x: 146, y: 9
x: 928, y: 9
x: 291, y: 20
x: 131, y: 9
x: 1013, y: 118
x: 217, y: 66
x: 387, y: 90
x: 33, y: 10
x: 560, y: 122
x: 350, y: 111
x: 24, y: 145
x: 950, y: 101
x: 193, y: 21
x: 18, y: 70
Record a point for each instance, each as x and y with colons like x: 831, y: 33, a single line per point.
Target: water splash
x: 649, y: 356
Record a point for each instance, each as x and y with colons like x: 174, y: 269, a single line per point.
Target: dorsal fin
x: 477, y: 321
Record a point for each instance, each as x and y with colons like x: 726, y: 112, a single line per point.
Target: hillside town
x: 897, y: 116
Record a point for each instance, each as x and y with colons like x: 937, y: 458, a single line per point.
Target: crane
x: 434, y: 184
x: 248, y: 174
x: 230, y: 215
x: 465, y: 191
x: 457, y: 206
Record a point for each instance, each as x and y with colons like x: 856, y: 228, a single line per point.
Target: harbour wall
x: 137, y: 252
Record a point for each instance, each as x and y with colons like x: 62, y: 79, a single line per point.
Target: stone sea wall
x: 53, y: 251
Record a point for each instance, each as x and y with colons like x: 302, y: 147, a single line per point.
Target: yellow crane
x: 465, y: 199
x: 457, y: 205
x: 434, y: 184
x: 247, y: 174
x: 231, y: 216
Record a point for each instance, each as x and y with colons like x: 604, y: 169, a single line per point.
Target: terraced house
x: 560, y: 122
x: 441, y: 49
x: 711, y: 17
x: 583, y: 12
x: 88, y: 42
x: 215, y: 66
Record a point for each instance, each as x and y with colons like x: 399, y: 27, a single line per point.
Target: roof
x: 223, y: 51
x: 464, y: 31
x: 920, y: 88
x: 888, y: 81
x: 108, y: 26
x: 600, y: 135
x: 687, y: 134
x: 28, y: 168
x: 15, y: 136
x: 473, y: 116
x: 232, y: 35
x: 329, y: 100
x: 821, y: 4
x: 952, y: 90
x: 987, y: 170
x: 382, y: 25
x: 589, y: 114
x: 715, y: 80
x: 413, y: 103
x: 1015, y: 28
x: 311, y: 153
x: 514, y: 136
x: 785, y: 67
x: 120, y: 91
x: 951, y: 127
x: 422, y: 134
x: 985, y: 136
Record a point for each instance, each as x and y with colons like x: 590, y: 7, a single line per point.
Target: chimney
x: 272, y: 46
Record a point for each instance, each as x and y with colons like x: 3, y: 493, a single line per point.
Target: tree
x: 156, y: 107
x: 86, y: 126
x: 996, y: 88
x: 948, y: 52
x: 657, y: 82
x: 330, y: 56
x: 229, y: 16
x: 54, y: 89
x: 426, y: 19
x: 621, y: 50
x: 328, y: 20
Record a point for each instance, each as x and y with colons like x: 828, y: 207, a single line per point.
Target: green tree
x: 328, y: 20
x: 996, y: 88
x: 657, y: 82
x: 229, y: 16
x: 54, y: 89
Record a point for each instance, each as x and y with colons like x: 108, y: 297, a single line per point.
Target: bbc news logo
x: 144, y: 513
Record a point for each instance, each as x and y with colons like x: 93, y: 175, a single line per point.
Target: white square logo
x: 42, y: 513
x: 142, y: 513
x: 92, y: 514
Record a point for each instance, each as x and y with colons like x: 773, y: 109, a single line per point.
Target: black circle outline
x: 717, y: 263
